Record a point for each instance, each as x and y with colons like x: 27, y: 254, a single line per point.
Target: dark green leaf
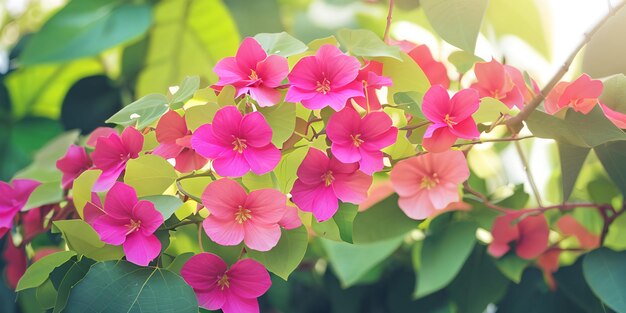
x: 142, y: 112
x: 75, y: 272
x: 86, y: 28
x: 410, y: 102
x: 253, y: 17
x: 89, y: 102
x: 373, y: 224
x: 572, y: 160
x: 456, y: 21
x: 286, y: 255
x: 80, y: 237
x: 365, y: 43
x: 571, y: 281
x: 282, y: 44
x: 39, y: 271
x: 512, y: 266
x: 612, y: 157
x: 604, y: 271
x: 120, y: 286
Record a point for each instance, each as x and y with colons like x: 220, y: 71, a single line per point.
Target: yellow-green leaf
x: 149, y: 175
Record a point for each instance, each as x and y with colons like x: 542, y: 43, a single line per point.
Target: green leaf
x: 285, y: 257
x: 571, y: 281
x: 572, y: 160
x: 463, y: 60
x: 46, y: 295
x: 456, y: 21
x: 407, y: 75
x: 187, y: 36
x: 612, y: 156
x: 576, y: 129
x: 142, y: 112
x: 282, y: 120
x: 505, y: 19
x: 604, y: 56
x: 604, y: 271
x: 185, y: 91
x: 489, y: 110
x: 617, y: 233
x: 254, y: 17
x: 167, y: 205
x: 80, y: 237
x: 77, y: 270
x: 177, y: 264
x: 199, y: 115
x: 81, y: 190
x: 339, y: 227
x: 350, y: 262
x: 86, y: 28
x: 512, y: 266
x: 614, y: 93
x: 442, y: 256
x: 149, y: 175
x: 374, y: 223
x: 124, y: 287
x: 39, y: 271
x: 478, y: 284
x: 365, y: 43
x: 286, y: 169
x: 282, y: 44
x: 410, y: 102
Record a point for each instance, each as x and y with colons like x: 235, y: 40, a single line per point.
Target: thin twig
x: 534, y: 103
x: 529, y: 174
x: 388, y: 26
x: 484, y: 198
x: 200, y: 238
x: 507, y: 139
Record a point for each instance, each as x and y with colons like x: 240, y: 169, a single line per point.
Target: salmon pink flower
x: 451, y: 118
x: 435, y: 71
x: 13, y: 198
x: 237, y: 143
x: 291, y: 219
x: 581, y: 95
x: 360, y: 140
x: 371, y: 78
x: 323, y: 181
x: 569, y: 226
x: 15, y: 259
x: 548, y: 262
x: 175, y: 143
x: 325, y: 79
x: 236, y: 216
x: 429, y: 183
x: 234, y: 289
x: 529, y: 234
x: 253, y: 72
x: 72, y: 164
x: 112, y: 153
x: 496, y: 81
x: 618, y: 118
x: 97, y: 133
x: 126, y: 221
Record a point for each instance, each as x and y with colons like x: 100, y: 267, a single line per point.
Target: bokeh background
x: 51, y: 84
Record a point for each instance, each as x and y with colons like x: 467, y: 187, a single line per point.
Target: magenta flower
x: 233, y: 290
x: 72, y: 164
x: 126, y: 221
x: 13, y: 198
x: 112, y: 153
x: 451, y: 118
x: 175, y: 143
x: 371, y: 78
x: 236, y: 216
x: 323, y: 181
x: 253, y: 72
x: 237, y: 143
x: 360, y: 140
x: 325, y: 79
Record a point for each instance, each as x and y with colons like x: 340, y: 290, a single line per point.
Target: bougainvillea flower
x: 13, y: 198
x: 234, y: 289
x: 323, y: 181
x: 72, y: 164
x: 451, y: 118
x: 15, y: 266
x: 580, y: 95
x: 291, y: 219
x: 97, y: 133
x: 175, y: 143
x: 371, y: 78
x: 126, y: 221
x: 33, y: 220
x: 618, y: 118
x: 549, y: 264
x: 434, y: 70
x: 112, y: 153
x: 360, y: 140
x: 496, y: 81
x: 569, y: 226
x: 236, y: 216
x: 325, y: 79
x: 237, y: 143
x: 429, y: 183
x: 529, y: 234
x: 253, y: 72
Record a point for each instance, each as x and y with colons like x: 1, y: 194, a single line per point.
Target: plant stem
x: 388, y: 26
x: 529, y: 175
x: 507, y: 139
x: 534, y: 103
x: 484, y: 198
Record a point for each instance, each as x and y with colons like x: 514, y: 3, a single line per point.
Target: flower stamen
x: 323, y: 87
x: 242, y: 215
x: 356, y: 139
x: 328, y: 178
x: 239, y: 145
x: 223, y: 282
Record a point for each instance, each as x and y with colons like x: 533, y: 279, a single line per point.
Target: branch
x: 507, y: 139
x: 386, y: 36
x: 534, y: 103
x: 484, y: 198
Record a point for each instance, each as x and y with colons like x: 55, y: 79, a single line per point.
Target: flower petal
x: 255, y: 130
x: 224, y: 231
x: 140, y: 249
x: 436, y: 104
x: 267, y: 206
x: 249, y: 279
x: 223, y: 197
x: 463, y: 104
x: 261, y: 237
x: 352, y: 187
x: 441, y: 140
x: 262, y: 160
x: 207, y: 144
x: 250, y: 53
x: 170, y: 127
x: 314, y: 165
x: 318, y: 199
x: 231, y: 164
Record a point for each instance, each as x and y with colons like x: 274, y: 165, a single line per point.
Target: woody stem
x: 388, y: 26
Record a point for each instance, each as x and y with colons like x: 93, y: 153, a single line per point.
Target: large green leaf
x: 339, y: 227
x: 604, y: 56
x: 365, y: 43
x: 77, y: 269
x: 186, y: 90
x: 186, y: 39
x: 286, y: 169
x: 39, y: 271
x: 86, y: 28
x: 614, y: 93
x: 604, y: 271
x: 572, y: 160
x: 282, y: 44
x: 442, y: 256
x: 617, y: 233
x: 407, y: 75
x: 520, y: 18
x: 456, y: 21
x: 112, y: 287
x: 351, y: 261
x: 142, y: 112
x: 149, y: 175
x: 165, y: 204
x: 286, y: 255
x: 410, y: 102
x: 253, y: 17
x: 612, y: 157
x: 282, y: 119
x: 571, y: 281
x: 80, y: 237
x: 374, y: 224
